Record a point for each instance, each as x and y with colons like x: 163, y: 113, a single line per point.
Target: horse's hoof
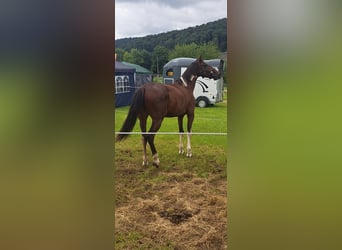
x: 156, y: 160
x: 189, y: 155
x: 145, y: 163
x: 155, y: 164
x: 181, y: 152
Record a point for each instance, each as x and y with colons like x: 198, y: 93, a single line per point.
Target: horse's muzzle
x: 216, y: 76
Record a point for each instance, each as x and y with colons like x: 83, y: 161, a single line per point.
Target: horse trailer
x: 207, y: 91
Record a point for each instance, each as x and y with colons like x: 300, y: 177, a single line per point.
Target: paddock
x: 182, y: 204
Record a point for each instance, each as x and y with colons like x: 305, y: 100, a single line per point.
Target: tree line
x: 215, y: 32
x: 155, y: 60
x: 154, y: 51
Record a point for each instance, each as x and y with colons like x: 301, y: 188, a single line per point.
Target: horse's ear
x: 200, y: 59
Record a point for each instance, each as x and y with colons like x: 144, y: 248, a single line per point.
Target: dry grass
x: 139, y: 222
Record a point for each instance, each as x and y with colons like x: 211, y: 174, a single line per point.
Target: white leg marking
x: 145, y: 161
x: 188, y: 147
x: 180, y: 146
x: 156, y: 160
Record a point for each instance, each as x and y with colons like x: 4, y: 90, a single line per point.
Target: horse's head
x: 206, y: 70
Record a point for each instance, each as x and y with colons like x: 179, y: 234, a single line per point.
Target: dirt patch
x: 176, y: 216
x: 180, y: 212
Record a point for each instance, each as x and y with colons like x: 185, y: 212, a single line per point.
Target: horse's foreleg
x: 180, y: 146
x: 181, y: 131
x: 188, y: 145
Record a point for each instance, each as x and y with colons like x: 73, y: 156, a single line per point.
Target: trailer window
x: 169, y: 72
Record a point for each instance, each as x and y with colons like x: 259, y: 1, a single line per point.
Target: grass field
x: 182, y: 204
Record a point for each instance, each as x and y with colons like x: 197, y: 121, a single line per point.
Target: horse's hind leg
x: 144, y: 142
x: 144, y: 138
x: 156, y: 123
x: 181, y: 132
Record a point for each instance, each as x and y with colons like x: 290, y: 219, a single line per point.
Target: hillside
x: 215, y: 32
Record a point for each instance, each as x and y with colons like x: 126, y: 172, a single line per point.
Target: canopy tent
x: 142, y: 74
x: 124, y: 84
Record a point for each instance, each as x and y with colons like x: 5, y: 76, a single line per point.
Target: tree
x: 206, y: 50
x: 147, y: 58
x: 184, y: 50
x: 159, y: 58
x: 133, y: 56
x: 119, y: 54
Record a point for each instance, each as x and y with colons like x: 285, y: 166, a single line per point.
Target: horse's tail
x: 136, y: 105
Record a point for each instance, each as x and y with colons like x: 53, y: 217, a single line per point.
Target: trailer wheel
x: 202, y: 102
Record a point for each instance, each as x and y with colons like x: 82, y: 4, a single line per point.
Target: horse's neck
x: 189, y: 79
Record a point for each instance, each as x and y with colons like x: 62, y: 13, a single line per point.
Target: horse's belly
x: 174, y: 114
x: 176, y: 108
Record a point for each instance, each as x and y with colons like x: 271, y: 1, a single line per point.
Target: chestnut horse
x: 160, y: 100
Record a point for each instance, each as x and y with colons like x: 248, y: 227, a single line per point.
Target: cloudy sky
x: 135, y: 18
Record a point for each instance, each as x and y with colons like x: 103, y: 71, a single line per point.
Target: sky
x: 137, y: 18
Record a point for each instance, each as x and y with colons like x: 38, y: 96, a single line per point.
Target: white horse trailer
x: 207, y: 91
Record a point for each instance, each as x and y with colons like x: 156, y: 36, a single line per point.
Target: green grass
x: 158, y: 79
x: 212, y: 119
x: 209, y: 151
x: 134, y: 240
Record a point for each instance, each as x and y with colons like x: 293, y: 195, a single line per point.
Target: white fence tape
x: 168, y: 133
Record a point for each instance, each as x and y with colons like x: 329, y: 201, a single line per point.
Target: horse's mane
x: 178, y: 81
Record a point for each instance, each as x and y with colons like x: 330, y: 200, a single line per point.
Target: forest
x: 153, y: 51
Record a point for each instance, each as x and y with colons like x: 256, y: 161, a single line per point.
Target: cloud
x: 171, y: 3
x: 139, y: 18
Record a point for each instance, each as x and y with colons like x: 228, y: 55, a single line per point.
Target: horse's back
x: 155, y: 91
x: 156, y: 99
x: 167, y: 100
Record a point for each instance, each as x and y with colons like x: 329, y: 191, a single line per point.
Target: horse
x: 166, y: 100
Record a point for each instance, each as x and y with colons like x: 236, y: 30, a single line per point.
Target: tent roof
x: 138, y: 68
x: 120, y: 67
